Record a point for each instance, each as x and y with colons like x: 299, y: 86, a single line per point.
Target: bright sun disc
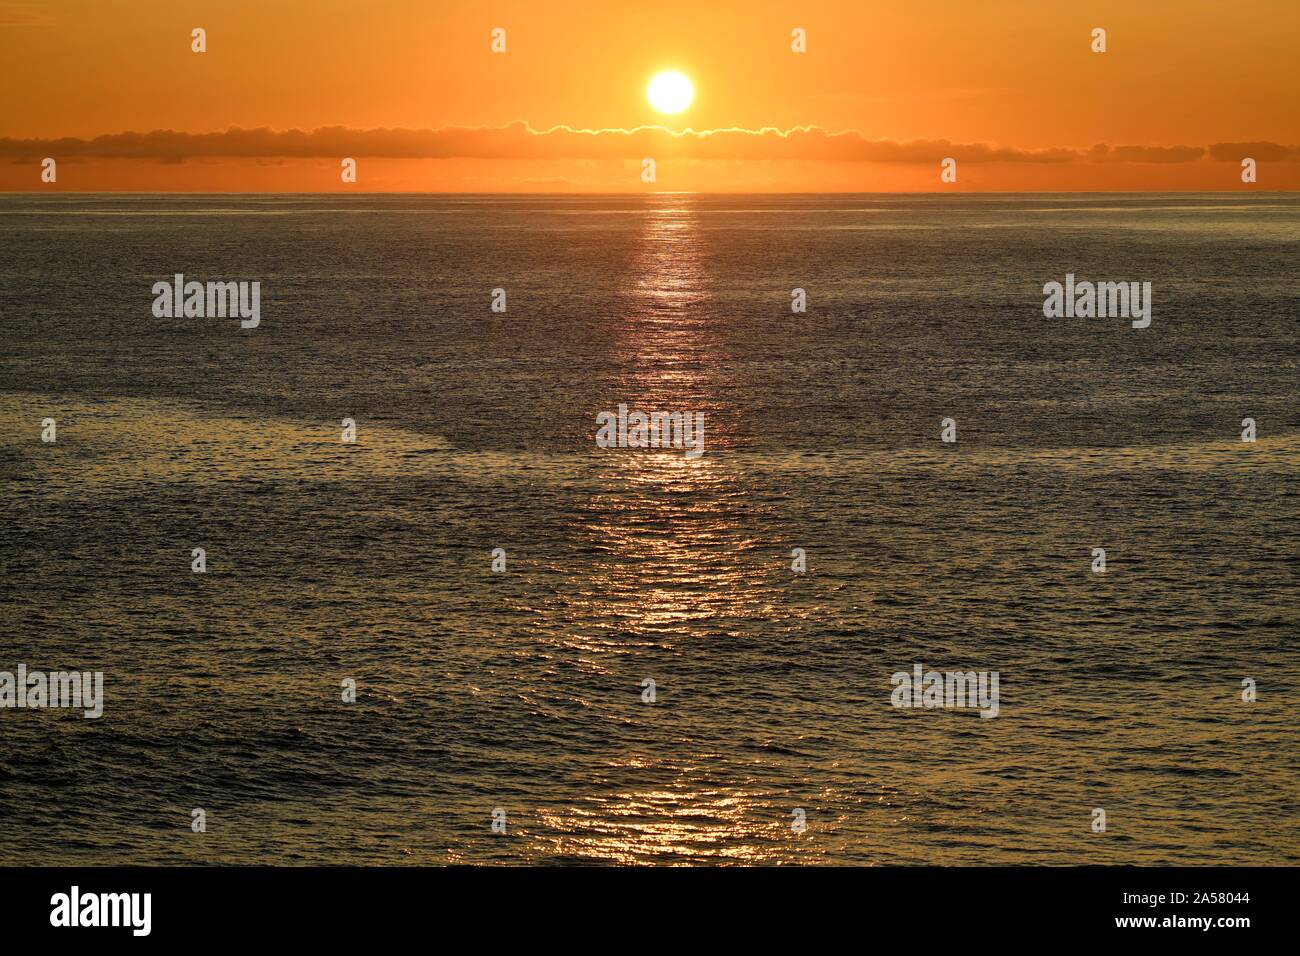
x: 670, y: 92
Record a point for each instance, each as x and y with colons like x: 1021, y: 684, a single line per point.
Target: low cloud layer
x: 520, y: 141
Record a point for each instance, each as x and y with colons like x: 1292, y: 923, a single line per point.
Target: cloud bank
x: 521, y: 141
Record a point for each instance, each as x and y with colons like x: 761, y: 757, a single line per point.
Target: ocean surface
x: 522, y: 691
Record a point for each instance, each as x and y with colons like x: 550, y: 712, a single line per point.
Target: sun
x: 670, y: 92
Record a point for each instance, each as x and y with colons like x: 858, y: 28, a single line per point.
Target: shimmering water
x: 522, y: 691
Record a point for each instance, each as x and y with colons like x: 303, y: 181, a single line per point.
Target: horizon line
x: 662, y: 192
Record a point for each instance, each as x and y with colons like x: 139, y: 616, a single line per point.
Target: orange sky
x: 1010, y: 88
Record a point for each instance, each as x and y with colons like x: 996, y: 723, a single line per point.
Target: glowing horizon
x: 832, y: 97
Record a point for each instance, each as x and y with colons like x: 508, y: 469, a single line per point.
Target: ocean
x: 522, y: 693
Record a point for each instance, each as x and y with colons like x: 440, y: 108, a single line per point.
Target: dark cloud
x: 521, y: 141
x: 1262, y: 152
x: 1101, y: 153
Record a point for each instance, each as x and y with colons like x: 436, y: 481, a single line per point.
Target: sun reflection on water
x: 670, y: 522
x: 677, y: 571
x: 655, y: 825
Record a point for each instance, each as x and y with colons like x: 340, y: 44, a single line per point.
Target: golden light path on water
x: 673, y: 568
